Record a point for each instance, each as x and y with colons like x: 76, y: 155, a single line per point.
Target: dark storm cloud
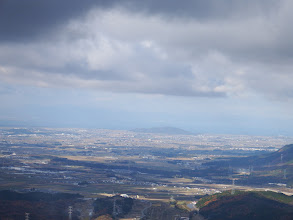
x: 28, y: 19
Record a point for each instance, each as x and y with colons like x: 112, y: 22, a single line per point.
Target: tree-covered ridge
x: 247, y: 205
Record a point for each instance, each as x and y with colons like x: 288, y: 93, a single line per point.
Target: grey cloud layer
x: 30, y: 19
x: 22, y: 20
x: 199, y: 48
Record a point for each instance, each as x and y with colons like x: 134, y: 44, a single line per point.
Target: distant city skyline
x: 202, y: 66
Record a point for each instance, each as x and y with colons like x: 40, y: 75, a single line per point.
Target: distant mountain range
x: 162, y: 130
x: 247, y: 205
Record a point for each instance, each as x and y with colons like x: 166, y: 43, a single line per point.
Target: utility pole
x: 70, y: 212
x: 27, y: 216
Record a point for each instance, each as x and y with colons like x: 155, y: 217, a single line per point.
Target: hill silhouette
x: 282, y: 156
x: 275, y: 167
x: 41, y: 206
x: 247, y: 205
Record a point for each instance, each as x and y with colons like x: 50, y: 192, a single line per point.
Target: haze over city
x: 204, y: 66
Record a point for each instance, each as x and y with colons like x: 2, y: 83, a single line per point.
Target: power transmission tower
x: 70, y: 212
x: 114, y: 208
x: 233, y: 187
x: 230, y: 170
x: 27, y: 216
x: 285, y: 174
x: 281, y: 158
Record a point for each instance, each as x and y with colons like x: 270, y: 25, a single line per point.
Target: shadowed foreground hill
x: 247, y: 205
x: 41, y: 206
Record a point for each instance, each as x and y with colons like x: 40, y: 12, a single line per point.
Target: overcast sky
x: 207, y: 66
